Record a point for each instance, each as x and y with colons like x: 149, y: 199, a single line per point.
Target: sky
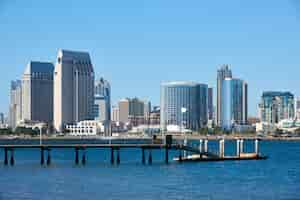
x: 137, y: 44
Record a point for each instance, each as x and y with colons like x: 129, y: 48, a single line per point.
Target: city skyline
x: 253, y: 45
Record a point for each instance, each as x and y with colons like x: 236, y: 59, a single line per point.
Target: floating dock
x: 205, y: 156
x: 199, y: 158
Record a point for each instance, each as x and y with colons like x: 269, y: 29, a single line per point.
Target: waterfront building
x: 232, y: 105
x: 86, y: 128
x: 102, y: 104
x: 37, y: 92
x: 183, y: 105
x: 223, y: 72
x: 15, y: 106
x: 132, y: 111
x: 210, y: 104
x: 276, y: 106
x: 73, y: 88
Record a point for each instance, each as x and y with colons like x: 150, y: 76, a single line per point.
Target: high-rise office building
x: 73, y: 88
x: 102, y: 105
x: 232, y: 100
x: 276, y: 106
x: 210, y: 104
x: 37, y: 92
x: 223, y: 72
x: 15, y: 107
x: 234, y: 105
x: 183, y: 104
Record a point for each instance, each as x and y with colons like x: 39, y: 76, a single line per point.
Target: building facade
x: 37, y: 92
x: 210, y: 104
x: 223, y: 72
x: 190, y: 96
x: 276, y: 106
x: 73, y: 88
x: 15, y: 107
x: 234, y: 105
x: 102, y: 105
x: 115, y: 114
x: 133, y: 111
x: 298, y: 108
x: 86, y: 128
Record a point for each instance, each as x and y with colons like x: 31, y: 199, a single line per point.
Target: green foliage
x: 203, y: 131
x: 217, y: 131
x: 26, y: 131
x: 6, y: 131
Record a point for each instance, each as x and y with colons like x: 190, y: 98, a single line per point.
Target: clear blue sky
x: 136, y: 44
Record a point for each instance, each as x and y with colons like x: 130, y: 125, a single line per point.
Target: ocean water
x: 275, y: 178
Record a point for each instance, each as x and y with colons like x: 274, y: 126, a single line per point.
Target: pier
x: 197, y: 154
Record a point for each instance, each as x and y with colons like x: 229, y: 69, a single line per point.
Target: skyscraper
x: 15, y: 107
x: 210, y: 104
x: 37, y: 92
x: 276, y: 106
x: 223, y: 72
x: 102, y: 107
x: 234, y: 105
x: 190, y: 96
x: 73, y: 88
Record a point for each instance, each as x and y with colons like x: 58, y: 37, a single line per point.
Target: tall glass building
x: 234, y: 103
x: 276, y: 106
x: 102, y: 101
x: 188, y: 95
x: 223, y: 72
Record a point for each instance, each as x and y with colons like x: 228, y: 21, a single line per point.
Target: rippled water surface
x: 275, y: 178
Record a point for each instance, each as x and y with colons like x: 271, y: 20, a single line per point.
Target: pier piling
x: 12, y: 159
x: 238, y: 148
x: 221, y: 148
x: 150, y: 157
x: 257, y: 147
x: 143, y: 156
x: 83, y: 161
x: 200, y: 145
x: 241, y: 146
x: 76, y: 156
x: 118, y: 156
x: 112, y: 159
x: 180, y: 156
x: 167, y: 155
x: 5, y: 157
x: 42, y: 156
x: 49, y: 157
x: 185, y: 143
x: 205, y: 146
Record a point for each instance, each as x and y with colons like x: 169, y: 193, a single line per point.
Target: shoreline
x: 139, y: 137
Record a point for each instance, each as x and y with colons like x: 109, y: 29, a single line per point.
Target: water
x: 275, y: 178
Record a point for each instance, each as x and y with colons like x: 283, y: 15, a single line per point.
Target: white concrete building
x: 37, y: 92
x: 73, y: 88
x: 86, y: 128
